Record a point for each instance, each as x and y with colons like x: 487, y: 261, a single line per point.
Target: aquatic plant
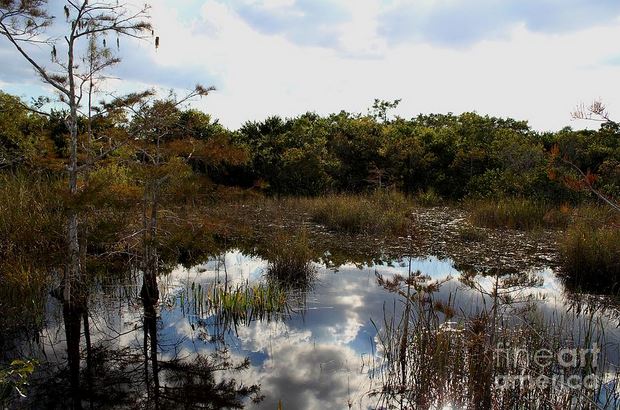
x: 470, y: 233
x: 590, y: 257
x: 290, y: 259
x: 236, y: 304
x: 435, y: 356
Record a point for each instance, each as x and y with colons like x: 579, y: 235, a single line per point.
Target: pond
x: 330, y: 345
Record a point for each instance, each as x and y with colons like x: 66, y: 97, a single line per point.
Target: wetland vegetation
x: 152, y: 258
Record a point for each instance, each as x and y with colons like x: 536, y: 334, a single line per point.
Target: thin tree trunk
x: 73, y: 269
x: 89, y: 361
x: 72, y: 319
x: 150, y: 325
x: 150, y: 291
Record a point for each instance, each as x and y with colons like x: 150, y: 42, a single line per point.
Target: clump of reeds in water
x: 590, y: 257
x: 237, y: 304
x: 290, y: 260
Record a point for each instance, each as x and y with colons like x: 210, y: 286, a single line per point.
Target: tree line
x: 456, y: 156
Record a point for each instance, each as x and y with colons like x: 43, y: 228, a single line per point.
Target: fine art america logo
x: 539, y: 369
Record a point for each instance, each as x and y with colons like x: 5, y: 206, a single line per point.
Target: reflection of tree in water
x: 195, y: 383
x: 137, y: 377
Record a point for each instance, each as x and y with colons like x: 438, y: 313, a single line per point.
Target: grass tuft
x: 290, y: 259
x: 590, y: 257
x: 428, y: 198
x: 470, y: 233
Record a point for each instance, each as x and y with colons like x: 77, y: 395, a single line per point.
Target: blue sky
x: 528, y: 59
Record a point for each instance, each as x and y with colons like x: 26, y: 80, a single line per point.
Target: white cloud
x: 535, y: 76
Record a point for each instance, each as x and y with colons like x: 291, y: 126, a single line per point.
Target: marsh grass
x: 517, y: 213
x: 470, y: 233
x: 23, y: 301
x: 435, y: 355
x: 380, y: 213
x: 290, y: 259
x: 236, y: 304
x: 590, y: 257
x: 596, y: 216
x: 31, y: 216
x: 31, y: 245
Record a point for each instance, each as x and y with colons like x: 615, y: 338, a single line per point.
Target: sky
x: 533, y: 60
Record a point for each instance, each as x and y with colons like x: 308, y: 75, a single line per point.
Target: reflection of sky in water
x: 318, y: 358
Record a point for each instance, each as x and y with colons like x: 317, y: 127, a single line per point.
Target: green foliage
x: 380, y: 108
x: 456, y: 156
x: 14, y: 380
x: 428, y: 198
x: 23, y: 135
x: 595, y: 153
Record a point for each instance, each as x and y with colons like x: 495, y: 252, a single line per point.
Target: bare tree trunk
x: 73, y: 269
x: 150, y: 291
x: 89, y: 357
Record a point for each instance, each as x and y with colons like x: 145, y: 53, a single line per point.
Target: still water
x: 321, y: 353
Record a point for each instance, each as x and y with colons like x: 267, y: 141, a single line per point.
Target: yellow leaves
x: 176, y: 169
